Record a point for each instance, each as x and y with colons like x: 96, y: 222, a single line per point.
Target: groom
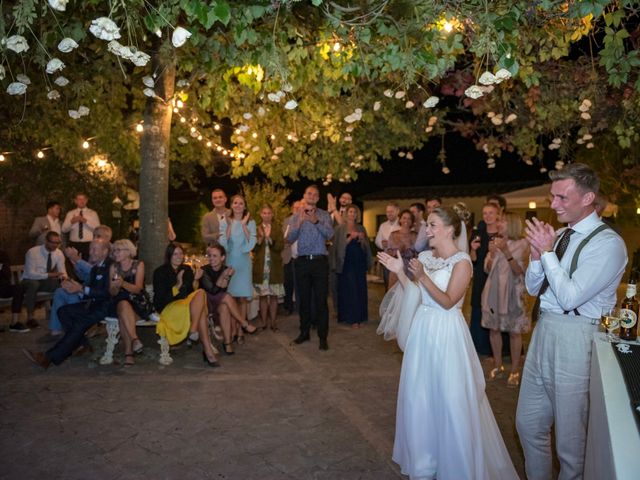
x: 571, y: 294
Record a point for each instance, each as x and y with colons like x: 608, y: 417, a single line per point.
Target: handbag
x: 141, y: 303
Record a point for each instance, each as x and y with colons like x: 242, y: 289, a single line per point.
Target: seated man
x: 77, y: 318
x: 43, y: 270
x: 67, y: 294
x: 7, y: 290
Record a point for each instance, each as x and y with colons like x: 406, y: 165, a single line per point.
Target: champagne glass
x: 610, y: 320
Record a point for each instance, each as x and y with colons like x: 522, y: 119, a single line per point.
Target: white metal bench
x: 113, y: 336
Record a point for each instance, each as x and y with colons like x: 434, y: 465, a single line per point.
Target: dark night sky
x: 466, y: 164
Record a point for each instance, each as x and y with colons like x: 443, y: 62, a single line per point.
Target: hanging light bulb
x: 139, y: 128
x: 2, y: 158
x: 183, y: 120
x: 209, y: 144
x: 216, y: 127
x: 179, y: 104
x: 176, y: 109
x: 40, y: 154
x: 336, y: 47
x: 254, y: 135
x: 85, y: 144
x: 193, y: 129
x: 273, y: 137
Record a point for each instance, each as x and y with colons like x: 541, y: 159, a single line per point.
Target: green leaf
x: 223, y: 12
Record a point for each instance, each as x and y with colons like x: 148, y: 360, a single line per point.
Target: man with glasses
x: 43, y: 270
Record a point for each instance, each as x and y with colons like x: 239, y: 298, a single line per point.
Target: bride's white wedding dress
x: 445, y: 428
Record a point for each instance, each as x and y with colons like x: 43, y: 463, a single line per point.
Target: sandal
x: 228, y: 348
x: 128, y: 359
x: 248, y: 328
x: 137, y: 346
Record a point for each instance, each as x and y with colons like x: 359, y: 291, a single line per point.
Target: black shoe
x: 208, y: 362
x: 323, y: 344
x: 301, y: 339
x: 31, y: 323
x: 18, y: 328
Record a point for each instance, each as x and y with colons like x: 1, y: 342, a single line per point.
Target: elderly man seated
x: 62, y: 296
x: 76, y: 319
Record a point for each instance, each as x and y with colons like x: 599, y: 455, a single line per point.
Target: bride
x: 445, y: 428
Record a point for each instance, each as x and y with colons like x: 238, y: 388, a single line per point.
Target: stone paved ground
x: 272, y: 411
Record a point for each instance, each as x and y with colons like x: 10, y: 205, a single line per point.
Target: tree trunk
x: 154, y: 171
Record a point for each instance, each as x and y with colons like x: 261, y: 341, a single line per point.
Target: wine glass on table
x: 610, y: 320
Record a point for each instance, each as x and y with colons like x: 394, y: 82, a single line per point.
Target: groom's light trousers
x: 555, y: 390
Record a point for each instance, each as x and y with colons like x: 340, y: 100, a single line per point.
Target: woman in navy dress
x: 352, y: 260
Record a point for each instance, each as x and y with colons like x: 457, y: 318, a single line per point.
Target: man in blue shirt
x: 311, y: 227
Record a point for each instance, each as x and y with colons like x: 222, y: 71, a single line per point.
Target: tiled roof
x: 444, y: 191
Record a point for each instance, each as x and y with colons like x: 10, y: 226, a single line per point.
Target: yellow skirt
x: 175, y: 320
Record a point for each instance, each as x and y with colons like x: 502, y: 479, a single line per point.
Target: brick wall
x: 15, y: 225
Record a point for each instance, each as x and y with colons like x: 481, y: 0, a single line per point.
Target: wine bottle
x: 629, y: 313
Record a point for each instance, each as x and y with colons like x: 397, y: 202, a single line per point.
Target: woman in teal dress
x: 239, y: 239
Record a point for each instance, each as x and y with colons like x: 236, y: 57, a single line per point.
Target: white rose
x: 348, y: 138
x: 431, y: 102
x: 61, y: 81
x: 487, y: 78
x: 139, y: 58
x: 474, y: 91
x: 278, y: 150
x: 587, y: 136
x: 120, y: 50
x: 67, y: 44
x: 180, y: 36
x: 83, y: 111
x: 105, y: 29
x: 510, y: 118
x: 74, y: 114
x: 183, y: 140
x: 53, y: 95
x: 22, y: 78
x: 149, y: 92
x: 409, y: 104
x: 182, y: 83
x: 16, y: 88
x: 432, y: 120
x: 376, y: 106
x: 247, y: 116
x: 59, y: 5
x: 410, y: 156
x: 2, y: 72
x: 287, y: 87
x: 313, y: 136
x: 261, y: 111
x: 586, y: 102
x: 273, y: 97
x: 291, y: 105
x: 590, y: 145
x: 585, y: 116
x: 54, y: 65
x: 400, y: 94
x: 502, y: 74
x: 148, y: 81
x: 17, y: 43
x: 388, y: 93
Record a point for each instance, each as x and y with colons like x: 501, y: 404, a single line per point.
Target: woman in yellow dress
x: 183, y: 310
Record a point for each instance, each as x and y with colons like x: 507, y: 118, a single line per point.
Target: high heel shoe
x: 227, y: 348
x: 137, y: 346
x: 496, y: 373
x: 248, y: 328
x: 513, y: 380
x: 209, y: 362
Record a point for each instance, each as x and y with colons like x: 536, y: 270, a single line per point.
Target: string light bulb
x: 447, y: 27
x: 209, y: 144
x: 40, y: 154
x: 193, y: 129
x: 85, y: 144
x: 2, y: 157
x: 216, y: 127
x: 254, y: 135
x: 139, y: 128
x: 336, y: 47
x: 273, y: 137
x: 183, y: 120
x: 176, y: 109
x: 179, y: 104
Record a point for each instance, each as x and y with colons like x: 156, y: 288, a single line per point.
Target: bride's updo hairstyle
x: 450, y: 218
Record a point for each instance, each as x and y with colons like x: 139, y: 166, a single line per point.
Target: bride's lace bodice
x: 439, y: 270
